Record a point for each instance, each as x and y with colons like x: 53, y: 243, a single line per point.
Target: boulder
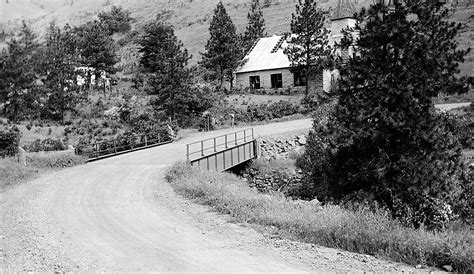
x: 302, y: 140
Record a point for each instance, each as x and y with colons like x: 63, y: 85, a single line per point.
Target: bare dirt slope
x: 119, y: 214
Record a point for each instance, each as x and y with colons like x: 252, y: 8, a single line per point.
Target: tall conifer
x: 255, y: 28
x: 308, y: 44
x: 222, y: 49
x: 384, y: 141
x: 165, y: 57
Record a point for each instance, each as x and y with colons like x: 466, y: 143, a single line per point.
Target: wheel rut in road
x: 119, y: 214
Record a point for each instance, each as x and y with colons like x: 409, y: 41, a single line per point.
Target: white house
x: 266, y: 66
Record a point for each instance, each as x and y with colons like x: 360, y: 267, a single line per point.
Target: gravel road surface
x: 119, y: 214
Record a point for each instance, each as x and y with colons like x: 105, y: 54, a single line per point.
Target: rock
x: 315, y: 201
x: 418, y: 266
x: 302, y: 140
x: 448, y: 268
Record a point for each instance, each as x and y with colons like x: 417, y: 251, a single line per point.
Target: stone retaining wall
x: 281, y: 147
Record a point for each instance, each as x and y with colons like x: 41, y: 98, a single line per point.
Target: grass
x: 13, y: 173
x: 190, y: 18
x: 358, y: 230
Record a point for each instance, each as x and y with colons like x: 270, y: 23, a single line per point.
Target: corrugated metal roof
x: 265, y: 55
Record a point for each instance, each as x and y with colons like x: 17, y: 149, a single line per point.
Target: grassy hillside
x: 190, y: 17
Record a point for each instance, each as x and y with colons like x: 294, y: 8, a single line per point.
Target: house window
x: 299, y: 79
x: 255, y: 82
x: 277, y: 80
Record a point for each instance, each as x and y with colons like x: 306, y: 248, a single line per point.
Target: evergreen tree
x: 59, y: 62
x: 385, y: 141
x: 117, y: 20
x: 166, y: 59
x: 255, y: 28
x: 17, y: 73
x: 308, y: 46
x: 222, y: 54
x: 95, y: 46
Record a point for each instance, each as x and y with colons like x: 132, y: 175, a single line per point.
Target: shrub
x: 48, y: 144
x: 9, y: 141
x: 356, y: 228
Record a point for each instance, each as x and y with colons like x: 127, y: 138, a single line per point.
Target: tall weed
x: 357, y: 230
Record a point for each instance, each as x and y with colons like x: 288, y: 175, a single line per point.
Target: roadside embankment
x: 358, y: 230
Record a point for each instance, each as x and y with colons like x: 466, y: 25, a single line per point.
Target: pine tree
x: 308, y: 46
x: 17, y: 73
x: 255, y: 28
x: 59, y: 62
x: 166, y: 59
x: 385, y: 141
x: 95, y: 46
x: 222, y: 49
x: 117, y: 20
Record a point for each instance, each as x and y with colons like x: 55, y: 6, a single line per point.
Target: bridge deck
x: 223, y: 152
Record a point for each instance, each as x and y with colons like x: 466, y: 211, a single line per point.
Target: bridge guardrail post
x: 187, y: 151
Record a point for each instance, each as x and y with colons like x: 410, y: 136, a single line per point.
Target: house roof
x: 344, y: 9
x: 266, y: 54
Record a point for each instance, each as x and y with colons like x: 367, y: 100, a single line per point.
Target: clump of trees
x: 38, y: 77
x: 384, y: 142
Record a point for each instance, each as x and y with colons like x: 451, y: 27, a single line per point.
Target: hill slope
x: 190, y: 17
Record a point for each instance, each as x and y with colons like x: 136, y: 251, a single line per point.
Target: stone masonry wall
x: 281, y: 147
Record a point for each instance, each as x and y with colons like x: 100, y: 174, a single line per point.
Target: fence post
x: 235, y: 138
x: 146, y: 143
x: 187, y: 151
x: 215, y: 145
x: 115, y: 146
x: 226, y: 145
x: 202, y: 148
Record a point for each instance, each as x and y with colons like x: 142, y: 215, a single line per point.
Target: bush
x: 356, y: 229
x: 420, y: 179
x: 9, y: 141
x: 45, y: 145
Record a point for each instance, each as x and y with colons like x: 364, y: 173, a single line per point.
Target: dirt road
x: 119, y: 214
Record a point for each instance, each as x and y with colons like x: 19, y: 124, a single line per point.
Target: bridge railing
x: 122, y: 145
x: 209, y: 146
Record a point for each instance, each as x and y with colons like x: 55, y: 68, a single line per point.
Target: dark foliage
x: 45, y: 145
x: 117, y: 20
x: 165, y: 58
x: 255, y: 28
x: 308, y: 48
x: 9, y: 141
x: 95, y: 46
x: 17, y: 74
x: 222, y: 49
x: 384, y: 141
